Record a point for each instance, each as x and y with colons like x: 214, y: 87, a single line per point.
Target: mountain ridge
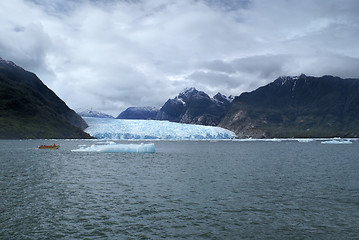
x: 29, y: 109
x: 194, y: 107
x: 146, y: 113
x: 301, y: 106
x: 289, y: 106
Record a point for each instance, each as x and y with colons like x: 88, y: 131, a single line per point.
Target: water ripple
x: 187, y: 190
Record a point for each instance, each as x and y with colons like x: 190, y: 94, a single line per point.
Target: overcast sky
x: 110, y: 55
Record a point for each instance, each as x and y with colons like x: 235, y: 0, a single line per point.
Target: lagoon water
x: 185, y: 190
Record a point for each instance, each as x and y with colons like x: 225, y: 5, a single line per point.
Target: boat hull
x: 49, y: 147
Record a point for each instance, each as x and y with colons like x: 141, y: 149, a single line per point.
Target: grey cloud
x: 266, y: 66
x: 329, y: 64
x: 229, y: 5
x: 218, y: 66
x: 109, y: 54
x: 263, y: 65
x: 27, y: 46
x: 249, y: 73
x: 214, y: 79
x: 19, y: 28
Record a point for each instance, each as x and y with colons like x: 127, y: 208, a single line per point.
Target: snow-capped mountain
x: 223, y: 99
x: 146, y: 113
x: 297, y: 106
x: 195, y: 107
x: 92, y: 113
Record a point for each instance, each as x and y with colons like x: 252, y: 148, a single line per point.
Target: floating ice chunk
x: 259, y: 139
x: 337, y: 141
x: 125, y: 148
x: 304, y: 140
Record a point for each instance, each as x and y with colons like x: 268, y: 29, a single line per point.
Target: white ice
x: 305, y: 140
x: 125, y: 148
x: 337, y: 141
x: 106, y: 128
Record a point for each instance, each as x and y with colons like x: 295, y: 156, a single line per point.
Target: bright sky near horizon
x: 110, y: 55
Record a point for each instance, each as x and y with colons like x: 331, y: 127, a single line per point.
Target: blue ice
x: 107, y: 128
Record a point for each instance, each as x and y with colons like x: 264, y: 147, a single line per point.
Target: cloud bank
x: 110, y: 54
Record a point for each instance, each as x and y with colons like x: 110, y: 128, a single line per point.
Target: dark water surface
x: 186, y: 190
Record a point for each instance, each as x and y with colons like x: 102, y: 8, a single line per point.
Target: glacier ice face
x: 125, y: 148
x: 106, y: 128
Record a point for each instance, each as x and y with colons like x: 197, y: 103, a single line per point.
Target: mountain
x: 195, y: 107
x: 297, y: 107
x: 29, y: 109
x: 92, y: 113
x: 146, y: 113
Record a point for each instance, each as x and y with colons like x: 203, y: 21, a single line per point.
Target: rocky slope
x: 28, y: 109
x: 297, y: 107
x: 195, y: 107
x: 146, y: 113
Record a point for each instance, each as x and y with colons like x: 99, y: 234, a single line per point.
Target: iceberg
x: 337, y: 141
x: 124, y: 129
x: 124, y: 148
x: 305, y: 140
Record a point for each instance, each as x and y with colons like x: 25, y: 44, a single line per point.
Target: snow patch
x: 187, y: 91
x: 180, y: 100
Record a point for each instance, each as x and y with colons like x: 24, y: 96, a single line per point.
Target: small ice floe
x: 122, y: 148
x: 305, y: 140
x: 259, y: 139
x: 337, y: 141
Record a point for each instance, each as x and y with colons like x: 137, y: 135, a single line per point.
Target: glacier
x: 123, y: 129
